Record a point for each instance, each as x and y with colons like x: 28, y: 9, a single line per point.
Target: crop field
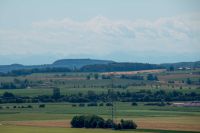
x: 56, y: 116
x: 31, y: 129
x: 99, y: 66
x: 59, y: 115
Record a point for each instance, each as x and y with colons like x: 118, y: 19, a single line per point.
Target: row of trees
x: 133, y: 77
x: 92, y: 104
x: 187, y: 81
x: 16, y: 84
x: 91, y: 96
x: 22, y: 106
x: 94, y: 121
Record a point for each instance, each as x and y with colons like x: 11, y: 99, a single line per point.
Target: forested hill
x: 66, y: 63
x: 119, y: 67
x: 78, y: 63
x: 90, y: 65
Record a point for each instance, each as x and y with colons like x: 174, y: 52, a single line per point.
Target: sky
x: 149, y: 31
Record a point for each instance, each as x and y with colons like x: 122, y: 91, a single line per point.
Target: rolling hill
x: 67, y: 63
x: 93, y: 65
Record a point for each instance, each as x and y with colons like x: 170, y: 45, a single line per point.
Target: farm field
x: 30, y: 129
x: 60, y: 114
x: 19, y: 129
x: 56, y: 115
x: 99, y: 66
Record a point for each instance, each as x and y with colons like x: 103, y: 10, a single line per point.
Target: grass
x: 72, y: 82
x: 66, y: 90
x: 64, y: 111
x: 25, y: 129
x: 123, y: 109
x: 28, y: 129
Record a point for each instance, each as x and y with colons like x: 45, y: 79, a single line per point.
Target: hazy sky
x: 153, y: 31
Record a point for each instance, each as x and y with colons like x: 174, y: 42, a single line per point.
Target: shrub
x: 94, y: 121
x: 101, y: 104
x: 92, y: 104
x: 81, y: 105
x: 109, y: 104
x: 117, y: 126
x: 128, y: 124
x: 29, y: 106
x: 73, y: 105
x: 108, y: 123
x: 90, y: 121
x: 8, y: 95
x: 78, y: 121
x: 171, y: 81
x: 42, y: 106
x: 134, y: 104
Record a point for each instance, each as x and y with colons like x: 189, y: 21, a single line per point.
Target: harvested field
x: 167, y: 125
x: 143, y: 123
x: 134, y: 72
x: 44, y: 123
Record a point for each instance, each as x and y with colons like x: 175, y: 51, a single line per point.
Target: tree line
x: 91, y: 96
x: 35, y: 70
x: 16, y: 84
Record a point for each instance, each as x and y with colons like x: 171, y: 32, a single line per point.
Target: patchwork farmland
x: 150, y: 115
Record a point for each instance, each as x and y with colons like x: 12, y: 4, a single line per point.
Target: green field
x: 64, y: 111
x: 172, y: 119
x: 122, y: 109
